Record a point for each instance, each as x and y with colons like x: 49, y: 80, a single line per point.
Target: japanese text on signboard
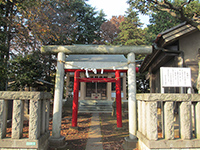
x: 175, y: 77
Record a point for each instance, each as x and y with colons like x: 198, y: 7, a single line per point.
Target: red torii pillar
x: 75, y: 99
x: 76, y: 92
x: 118, y: 99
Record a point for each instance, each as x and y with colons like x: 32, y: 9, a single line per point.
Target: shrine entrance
x: 62, y: 51
x: 96, y: 90
x: 78, y: 79
x: 89, y: 64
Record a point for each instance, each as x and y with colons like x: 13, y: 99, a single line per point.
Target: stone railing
x: 12, y: 137
x: 168, y: 121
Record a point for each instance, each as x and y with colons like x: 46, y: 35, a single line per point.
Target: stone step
x: 96, y: 107
x: 94, y: 102
x: 95, y: 111
x: 99, y: 106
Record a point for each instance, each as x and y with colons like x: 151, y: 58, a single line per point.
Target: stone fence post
x: 38, y: 133
x: 188, y: 127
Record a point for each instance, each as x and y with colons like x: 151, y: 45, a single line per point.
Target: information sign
x: 175, y: 77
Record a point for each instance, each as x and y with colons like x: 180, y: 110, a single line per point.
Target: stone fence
x: 168, y: 121
x: 16, y: 136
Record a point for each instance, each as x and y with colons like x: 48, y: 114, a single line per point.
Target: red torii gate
x: 77, y: 79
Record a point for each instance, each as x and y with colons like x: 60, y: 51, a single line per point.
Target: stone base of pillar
x: 73, y: 128
x: 57, y: 143
x: 130, y: 144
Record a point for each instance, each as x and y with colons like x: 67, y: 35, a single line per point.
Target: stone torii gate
x: 130, y: 51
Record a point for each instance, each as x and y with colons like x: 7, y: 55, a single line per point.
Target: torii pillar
x: 131, y: 141
x: 102, y: 49
x: 56, y: 140
x: 132, y: 105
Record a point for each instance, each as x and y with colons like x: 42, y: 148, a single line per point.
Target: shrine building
x: 97, y: 73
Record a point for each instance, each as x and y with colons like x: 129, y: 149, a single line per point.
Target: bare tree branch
x: 174, y: 9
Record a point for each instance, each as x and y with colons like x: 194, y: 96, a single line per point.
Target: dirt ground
x: 112, y: 137
x: 76, y: 139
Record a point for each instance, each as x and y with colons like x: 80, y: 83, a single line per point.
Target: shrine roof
x: 96, y: 61
x: 96, y: 58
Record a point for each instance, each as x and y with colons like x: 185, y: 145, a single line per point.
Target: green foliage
x: 26, y: 25
x: 28, y: 70
x: 184, y: 10
x: 149, y: 6
x: 192, y: 9
x: 88, y: 22
x: 160, y: 22
x: 3, y: 76
x: 7, y: 12
x: 24, y: 71
x: 144, y: 6
x: 131, y: 33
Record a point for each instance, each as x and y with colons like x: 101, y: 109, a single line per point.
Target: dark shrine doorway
x: 93, y: 89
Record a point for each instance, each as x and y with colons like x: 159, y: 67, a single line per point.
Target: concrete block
x: 130, y: 144
x: 57, y: 143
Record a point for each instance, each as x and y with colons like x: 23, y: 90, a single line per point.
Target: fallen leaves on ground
x: 113, y: 137
x: 76, y: 139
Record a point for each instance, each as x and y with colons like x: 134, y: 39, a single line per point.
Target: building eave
x: 150, y: 59
x: 169, y: 36
x: 164, y: 39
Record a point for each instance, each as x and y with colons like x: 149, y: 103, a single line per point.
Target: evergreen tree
x: 131, y: 33
x: 28, y: 70
x: 160, y: 22
x: 6, y: 25
x: 88, y: 22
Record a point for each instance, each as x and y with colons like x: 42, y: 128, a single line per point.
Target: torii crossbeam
x: 96, y: 49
